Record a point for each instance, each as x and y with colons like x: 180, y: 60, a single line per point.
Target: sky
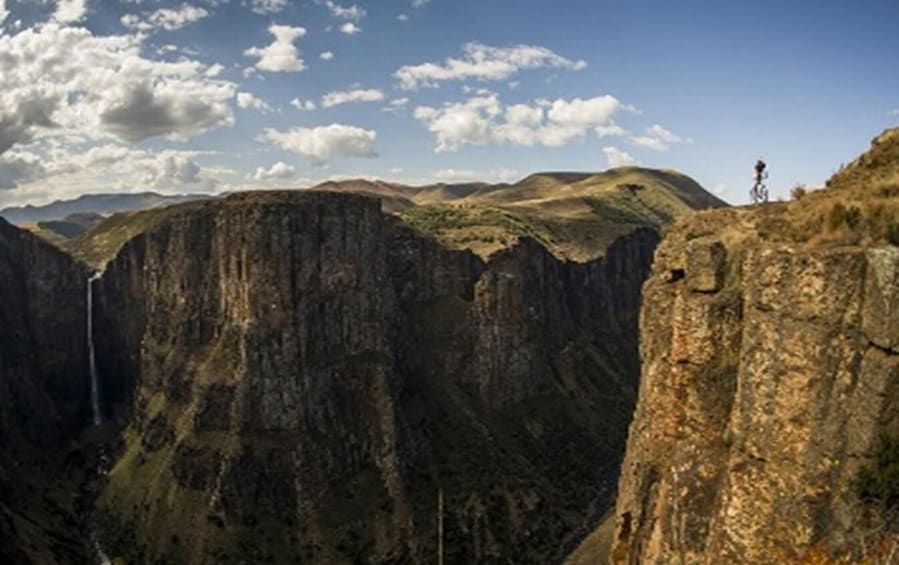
x: 225, y: 95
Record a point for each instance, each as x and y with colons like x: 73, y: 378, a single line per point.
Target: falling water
x: 95, y: 385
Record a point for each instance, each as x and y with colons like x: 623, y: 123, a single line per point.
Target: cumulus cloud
x: 247, y: 100
x: 484, y: 62
x: 70, y: 11
x: 657, y: 138
x: 18, y: 168
x: 335, y: 98
x: 57, y: 80
x: 618, y: 158
x: 349, y: 28
x: 483, y: 120
x: 143, y: 111
x: 352, y: 12
x: 168, y: 19
x: 320, y: 144
x: 267, y: 6
x: 279, y: 170
x: 396, y: 105
x: 281, y: 55
x: 326, y: 55
x: 3, y: 11
x: 74, y: 170
x: 304, y: 105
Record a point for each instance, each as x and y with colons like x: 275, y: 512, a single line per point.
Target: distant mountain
x: 574, y: 215
x: 103, y: 204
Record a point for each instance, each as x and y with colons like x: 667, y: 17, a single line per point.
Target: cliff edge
x: 769, y: 398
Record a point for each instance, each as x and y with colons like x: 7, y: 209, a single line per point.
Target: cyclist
x: 759, y: 191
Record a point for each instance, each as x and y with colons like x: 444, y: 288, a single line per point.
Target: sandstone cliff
x: 43, y: 392
x: 770, y: 350
x: 303, y: 374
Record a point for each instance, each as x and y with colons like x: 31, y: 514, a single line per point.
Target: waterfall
x: 95, y: 384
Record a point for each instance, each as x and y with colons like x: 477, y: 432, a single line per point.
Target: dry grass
x: 859, y: 206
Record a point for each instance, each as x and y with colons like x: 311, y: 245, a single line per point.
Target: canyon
x: 298, y: 376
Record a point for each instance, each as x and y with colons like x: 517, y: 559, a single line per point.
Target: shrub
x: 892, y: 234
x: 840, y: 216
x: 853, y: 217
x: 799, y: 190
x: 836, y: 217
x: 878, y: 483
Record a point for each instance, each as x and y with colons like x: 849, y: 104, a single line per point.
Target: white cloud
x: 3, y: 12
x: 349, y: 28
x: 326, y: 55
x: 267, y: 6
x: 168, y: 19
x: 466, y: 175
x: 484, y: 62
x: 304, y: 105
x: 403, y: 17
x: 248, y: 100
x: 281, y: 55
x: 319, y: 144
x: 353, y: 12
x: 618, y: 158
x: 720, y: 189
x: 58, y: 80
x: 657, y: 138
x: 144, y: 110
x: 336, y: 98
x: 610, y: 130
x: 70, y: 11
x: 483, y: 120
x: 18, y: 168
x: 73, y: 171
x: 279, y: 170
x: 894, y: 112
x: 420, y: 3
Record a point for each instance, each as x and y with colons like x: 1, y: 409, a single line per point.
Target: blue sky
x: 217, y: 95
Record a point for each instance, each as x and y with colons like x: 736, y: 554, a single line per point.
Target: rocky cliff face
x: 42, y: 396
x: 770, y: 374
x: 303, y: 375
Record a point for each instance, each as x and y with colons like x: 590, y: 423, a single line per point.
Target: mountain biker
x: 760, y: 170
x: 759, y: 192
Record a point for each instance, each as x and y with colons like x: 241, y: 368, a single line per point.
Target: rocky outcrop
x: 43, y: 396
x: 770, y: 372
x: 303, y: 375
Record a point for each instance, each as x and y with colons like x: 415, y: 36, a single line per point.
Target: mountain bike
x: 759, y: 192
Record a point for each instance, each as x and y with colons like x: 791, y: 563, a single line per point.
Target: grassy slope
x: 859, y: 206
x: 575, y: 215
x: 99, y: 245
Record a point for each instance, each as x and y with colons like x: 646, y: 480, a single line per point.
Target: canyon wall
x: 43, y: 396
x: 303, y: 375
x: 770, y: 375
